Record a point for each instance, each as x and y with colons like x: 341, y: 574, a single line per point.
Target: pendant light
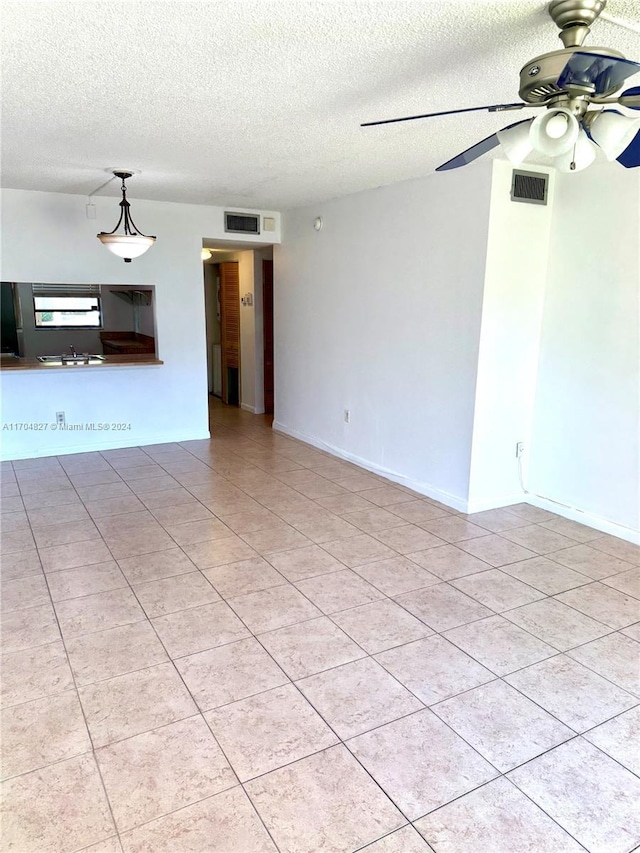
x: 130, y: 243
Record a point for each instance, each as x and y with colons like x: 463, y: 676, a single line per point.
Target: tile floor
x: 244, y: 645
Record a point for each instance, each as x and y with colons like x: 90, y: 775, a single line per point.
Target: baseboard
x: 587, y: 518
x: 101, y: 443
x: 247, y: 408
x: 425, y: 489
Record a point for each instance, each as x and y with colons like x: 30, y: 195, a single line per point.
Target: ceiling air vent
x: 529, y: 187
x: 241, y: 223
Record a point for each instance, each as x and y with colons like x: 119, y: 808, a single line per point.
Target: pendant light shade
x: 577, y: 158
x: 554, y: 132
x: 130, y: 242
x: 516, y: 141
x: 613, y: 132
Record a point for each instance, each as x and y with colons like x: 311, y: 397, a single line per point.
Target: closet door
x: 230, y: 330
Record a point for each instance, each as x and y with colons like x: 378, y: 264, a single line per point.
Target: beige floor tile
x: 160, y: 771
x: 199, y: 628
x: 55, y: 827
x: 145, y: 541
x: 619, y: 738
x: 396, y: 575
x: 373, y: 519
x: 64, y: 534
x: 245, y: 576
x: 310, y: 647
x: 134, y: 703
x: 556, y: 624
x: 442, y: 607
x: 273, y: 608
x: 168, y: 595
x: 420, y: 763
x: 99, y: 491
x: 532, y: 514
x: 572, y: 529
x: 502, y: 725
x: 231, y: 549
x: 343, y: 504
x: 95, y: 657
x: 12, y: 503
x: 495, y: 550
x: 229, y: 673
x: 616, y: 548
x: 111, y: 845
x: 496, y: 520
x: 21, y: 593
x: 321, y: 530
x: 95, y: 478
x: 588, y: 561
x: 497, y: 590
x: 74, y: 554
x: 358, y: 696
x: 301, y: 563
x: 405, y: 840
x: 417, y: 512
x: 603, y: 603
x: 114, y: 506
x: 495, y: 817
x: 538, y: 539
x: 571, y: 692
x: 433, y: 669
x: 284, y: 729
x: 545, y: 575
x: 164, y: 497
x: 33, y: 674
x: 42, y: 732
x: 447, y: 562
x: 587, y: 793
x: 627, y: 582
x: 275, y: 539
x: 500, y: 645
x: 408, y: 538
x: 13, y: 566
x: 91, y: 613
x: 153, y: 485
x: 324, y: 802
x: 223, y: 823
x: 379, y: 494
x: 161, y: 564
x: 26, y: 629
x: 170, y: 516
x: 85, y: 580
x: 12, y: 521
x: 453, y: 529
x: 358, y: 550
x: 132, y: 522
x: 632, y: 631
x: 16, y: 541
x: 247, y: 522
x: 616, y: 658
x: 381, y: 625
x: 52, y: 515
x: 338, y: 591
x: 194, y: 532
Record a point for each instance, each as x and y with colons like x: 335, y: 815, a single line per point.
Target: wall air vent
x: 241, y: 223
x: 529, y: 187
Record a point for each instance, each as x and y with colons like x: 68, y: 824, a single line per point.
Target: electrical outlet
x: 60, y: 418
x: 347, y: 416
x: 519, y: 449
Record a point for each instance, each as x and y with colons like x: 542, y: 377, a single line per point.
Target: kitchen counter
x: 109, y: 361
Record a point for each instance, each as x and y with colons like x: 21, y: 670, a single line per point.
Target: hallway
x: 245, y: 645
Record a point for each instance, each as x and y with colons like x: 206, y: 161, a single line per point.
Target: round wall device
x: 318, y: 223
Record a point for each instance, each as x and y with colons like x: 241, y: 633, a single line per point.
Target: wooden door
x: 229, y: 322
x: 267, y: 309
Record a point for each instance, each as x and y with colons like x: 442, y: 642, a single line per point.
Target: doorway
x: 267, y: 334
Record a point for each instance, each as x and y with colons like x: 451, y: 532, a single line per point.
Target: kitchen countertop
x: 109, y: 361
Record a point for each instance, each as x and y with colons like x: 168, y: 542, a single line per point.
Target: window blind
x: 66, y: 289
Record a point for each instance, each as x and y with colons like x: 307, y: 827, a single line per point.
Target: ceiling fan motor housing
x: 539, y: 77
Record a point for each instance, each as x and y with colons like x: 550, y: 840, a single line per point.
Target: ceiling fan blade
x: 476, y: 150
x: 493, y: 108
x: 605, y: 73
x: 630, y: 157
x: 630, y: 98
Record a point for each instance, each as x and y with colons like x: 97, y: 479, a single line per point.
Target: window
x: 67, y: 312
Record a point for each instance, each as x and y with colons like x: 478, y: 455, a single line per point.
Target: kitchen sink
x: 60, y: 360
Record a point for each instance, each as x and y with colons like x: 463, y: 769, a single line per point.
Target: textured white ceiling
x: 257, y: 103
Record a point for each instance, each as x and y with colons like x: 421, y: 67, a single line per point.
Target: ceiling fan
x: 568, y: 83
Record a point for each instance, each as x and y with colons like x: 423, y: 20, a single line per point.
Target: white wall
x: 514, y: 288
x: 46, y: 237
x: 379, y: 313
x: 586, y: 430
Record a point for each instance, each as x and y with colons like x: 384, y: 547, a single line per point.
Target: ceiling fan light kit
x: 130, y: 243
x: 567, y: 83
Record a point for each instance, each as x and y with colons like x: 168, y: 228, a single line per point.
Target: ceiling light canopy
x: 130, y: 243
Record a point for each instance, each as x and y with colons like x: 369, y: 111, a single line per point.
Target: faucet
x: 73, y: 351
